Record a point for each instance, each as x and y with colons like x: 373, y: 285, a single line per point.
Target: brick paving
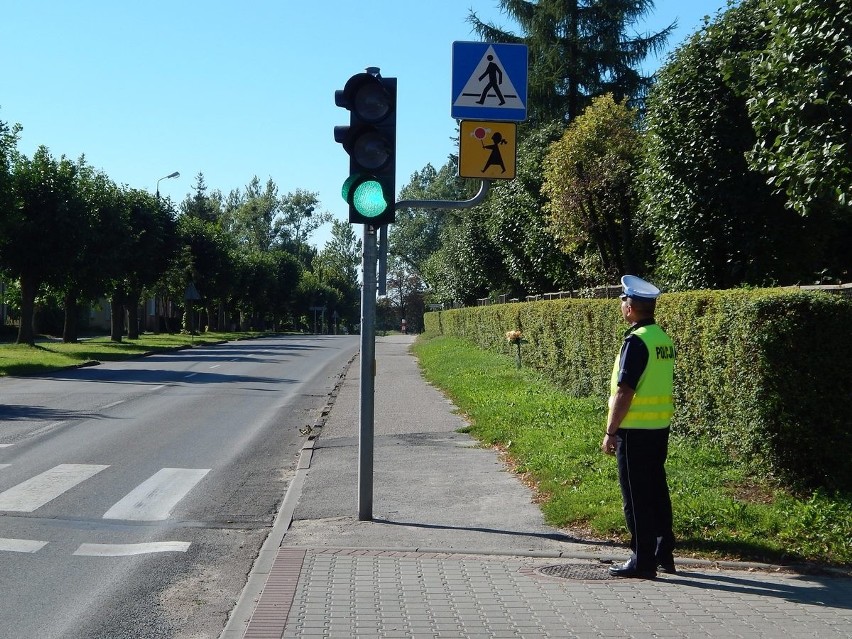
x: 344, y: 593
x: 270, y: 616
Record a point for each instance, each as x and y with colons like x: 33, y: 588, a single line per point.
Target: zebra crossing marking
x: 128, y: 550
x: 47, y: 486
x: 154, y: 499
x: 32, y: 546
x: 21, y: 545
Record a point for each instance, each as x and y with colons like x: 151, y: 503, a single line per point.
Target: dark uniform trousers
x: 641, y: 456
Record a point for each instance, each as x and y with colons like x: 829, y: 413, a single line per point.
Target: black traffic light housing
x: 370, y: 141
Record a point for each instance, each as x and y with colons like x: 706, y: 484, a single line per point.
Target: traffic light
x: 370, y: 141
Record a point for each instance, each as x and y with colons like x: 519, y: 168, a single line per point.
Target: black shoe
x: 667, y: 566
x: 628, y: 569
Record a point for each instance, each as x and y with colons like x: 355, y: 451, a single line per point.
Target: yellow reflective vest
x: 652, y: 405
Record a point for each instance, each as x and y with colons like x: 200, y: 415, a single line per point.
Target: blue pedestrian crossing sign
x: 489, y: 81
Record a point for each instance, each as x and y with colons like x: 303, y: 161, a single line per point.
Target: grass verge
x: 553, y: 441
x: 46, y: 356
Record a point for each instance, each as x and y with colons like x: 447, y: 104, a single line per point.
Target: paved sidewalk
x: 456, y: 548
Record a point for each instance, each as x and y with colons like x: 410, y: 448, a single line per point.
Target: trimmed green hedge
x: 765, y: 373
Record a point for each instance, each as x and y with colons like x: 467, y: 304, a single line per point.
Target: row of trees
x: 731, y: 167
x: 68, y: 232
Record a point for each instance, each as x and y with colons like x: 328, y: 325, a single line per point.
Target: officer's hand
x: 608, y: 444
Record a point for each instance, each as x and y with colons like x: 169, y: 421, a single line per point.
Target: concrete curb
x: 247, y: 603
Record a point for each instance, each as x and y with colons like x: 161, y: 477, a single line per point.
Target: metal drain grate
x: 585, y: 572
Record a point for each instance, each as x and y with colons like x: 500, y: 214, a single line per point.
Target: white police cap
x: 637, y: 288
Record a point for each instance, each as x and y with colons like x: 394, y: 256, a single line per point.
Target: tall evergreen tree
x: 200, y: 205
x: 578, y: 49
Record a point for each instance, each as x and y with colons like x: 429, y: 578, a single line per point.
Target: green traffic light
x: 370, y: 141
x: 369, y: 199
x: 366, y: 195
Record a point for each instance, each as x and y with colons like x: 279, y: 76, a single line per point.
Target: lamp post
x: 169, y: 176
x: 156, y: 301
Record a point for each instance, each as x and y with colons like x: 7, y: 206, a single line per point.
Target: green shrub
x: 764, y: 373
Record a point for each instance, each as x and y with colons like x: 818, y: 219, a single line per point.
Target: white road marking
x: 154, y: 499
x: 6, y: 445
x: 127, y: 550
x: 215, y: 366
x: 4, y: 466
x: 156, y: 388
x: 45, y: 429
x: 121, y: 401
x: 190, y: 375
x: 21, y: 545
x: 37, y: 491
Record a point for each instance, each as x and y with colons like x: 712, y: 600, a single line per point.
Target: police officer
x: 637, y: 431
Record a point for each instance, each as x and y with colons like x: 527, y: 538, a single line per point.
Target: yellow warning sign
x: 487, y: 150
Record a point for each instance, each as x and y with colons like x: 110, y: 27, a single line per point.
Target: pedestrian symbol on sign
x: 495, y: 79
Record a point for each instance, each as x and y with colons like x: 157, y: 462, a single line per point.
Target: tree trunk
x: 212, y: 318
x: 29, y: 288
x: 116, y: 318
x: 72, y: 312
x: 158, y: 313
x: 573, y: 73
x: 189, y: 318
x: 133, y: 314
x: 628, y: 243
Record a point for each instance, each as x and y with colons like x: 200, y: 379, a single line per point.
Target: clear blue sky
x: 237, y: 89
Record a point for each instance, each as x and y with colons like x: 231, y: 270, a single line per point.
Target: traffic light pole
x: 370, y: 141
x: 366, y: 430
x: 368, y: 376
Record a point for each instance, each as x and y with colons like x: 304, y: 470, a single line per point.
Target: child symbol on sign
x: 495, y: 158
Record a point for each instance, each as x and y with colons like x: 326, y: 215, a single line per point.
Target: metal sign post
x: 366, y: 429
x: 368, y: 379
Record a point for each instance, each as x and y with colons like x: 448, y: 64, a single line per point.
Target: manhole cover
x: 584, y: 572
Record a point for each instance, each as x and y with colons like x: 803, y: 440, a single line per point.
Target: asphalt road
x: 135, y: 496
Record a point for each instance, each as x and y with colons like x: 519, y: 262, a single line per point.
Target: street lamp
x: 156, y: 300
x: 169, y: 176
